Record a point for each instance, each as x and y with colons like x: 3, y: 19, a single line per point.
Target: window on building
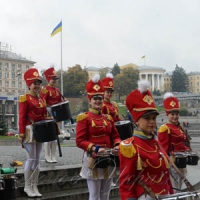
x: 0, y: 65
x: 13, y: 75
x: 6, y: 74
x: 20, y: 84
x: 6, y: 83
x: 0, y: 74
x: 6, y: 66
x: 19, y: 67
x: 197, y: 77
x: 0, y: 82
x: 13, y: 67
x: 197, y: 83
x: 27, y: 67
x: 191, y: 78
x: 13, y: 83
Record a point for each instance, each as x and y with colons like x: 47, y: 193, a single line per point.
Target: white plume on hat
x: 95, y: 78
x: 110, y: 75
x: 143, y: 85
x: 167, y: 95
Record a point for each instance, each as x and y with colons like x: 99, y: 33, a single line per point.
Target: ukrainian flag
x: 57, y: 29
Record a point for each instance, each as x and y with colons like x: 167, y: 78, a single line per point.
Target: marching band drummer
x: 32, y: 108
x: 109, y: 107
x: 95, y: 134
x: 144, y: 167
x: 52, y: 96
x: 172, y: 136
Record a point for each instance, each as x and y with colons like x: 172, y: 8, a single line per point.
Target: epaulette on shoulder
x: 22, y: 98
x: 81, y: 117
x: 114, y: 103
x: 44, y: 90
x: 126, y: 148
x: 109, y: 117
x: 164, y: 128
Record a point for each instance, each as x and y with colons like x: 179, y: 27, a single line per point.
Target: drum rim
x: 61, y: 103
x: 118, y: 122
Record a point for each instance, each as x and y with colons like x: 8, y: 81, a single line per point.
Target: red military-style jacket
x: 31, y: 109
x: 111, y: 108
x: 95, y: 128
x: 141, y: 159
x: 172, y: 138
x: 51, y: 94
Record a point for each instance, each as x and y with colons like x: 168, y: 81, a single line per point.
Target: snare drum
x: 102, y: 160
x: 61, y: 111
x: 114, y: 159
x: 45, y: 131
x: 192, y: 158
x: 9, y: 188
x: 124, y: 128
x: 181, y: 159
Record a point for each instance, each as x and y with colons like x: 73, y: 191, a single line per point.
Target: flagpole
x: 61, y: 73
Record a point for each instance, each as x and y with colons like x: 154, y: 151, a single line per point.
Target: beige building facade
x: 12, y: 84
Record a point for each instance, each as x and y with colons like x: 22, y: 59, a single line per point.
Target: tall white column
x: 153, y: 86
x: 158, y: 81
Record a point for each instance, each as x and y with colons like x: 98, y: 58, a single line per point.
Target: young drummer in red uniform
x: 94, y: 130
x: 109, y: 107
x: 52, y: 96
x: 32, y: 108
x: 142, y: 163
x: 172, y: 136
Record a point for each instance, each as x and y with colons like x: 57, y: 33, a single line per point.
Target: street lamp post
x: 18, y: 74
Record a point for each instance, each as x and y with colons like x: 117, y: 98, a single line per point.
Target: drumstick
x: 59, y: 148
x: 183, y: 178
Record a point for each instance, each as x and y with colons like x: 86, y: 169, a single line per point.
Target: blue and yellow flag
x: 143, y: 57
x: 57, y: 29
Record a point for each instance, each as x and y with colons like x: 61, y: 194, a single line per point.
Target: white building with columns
x: 155, y: 75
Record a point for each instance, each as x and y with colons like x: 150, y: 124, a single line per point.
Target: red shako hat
x: 140, y: 102
x: 50, y: 73
x: 170, y: 103
x: 108, y: 82
x: 32, y: 75
x: 94, y: 87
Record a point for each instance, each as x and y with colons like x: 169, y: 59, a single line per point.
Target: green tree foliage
x: 74, y: 81
x: 115, y: 70
x: 126, y: 81
x: 3, y: 127
x: 183, y: 112
x: 179, y: 80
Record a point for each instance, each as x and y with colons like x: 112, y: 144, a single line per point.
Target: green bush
x: 184, y: 112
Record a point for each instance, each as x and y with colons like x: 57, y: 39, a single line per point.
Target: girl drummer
x: 109, y: 107
x: 173, y: 138
x: 52, y: 96
x: 144, y: 167
x: 95, y: 134
x: 32, y: 108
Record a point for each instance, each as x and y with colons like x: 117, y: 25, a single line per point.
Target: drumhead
x: 44, y: 121
x: 122, y: 122
x: 61, y: 103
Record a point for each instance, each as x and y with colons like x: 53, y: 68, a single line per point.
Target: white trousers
x: 99, y: 189
x: 33, y: 157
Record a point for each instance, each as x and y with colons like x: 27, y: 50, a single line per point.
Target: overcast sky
x: 102, y: 32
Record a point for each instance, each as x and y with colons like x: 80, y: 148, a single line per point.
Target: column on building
x: 158, y: 81
x: 153, y: 84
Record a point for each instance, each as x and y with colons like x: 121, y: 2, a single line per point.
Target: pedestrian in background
x: 96, y: 135
x: 144, y: 167
x: 32, y: 108
x: 52, y: 96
